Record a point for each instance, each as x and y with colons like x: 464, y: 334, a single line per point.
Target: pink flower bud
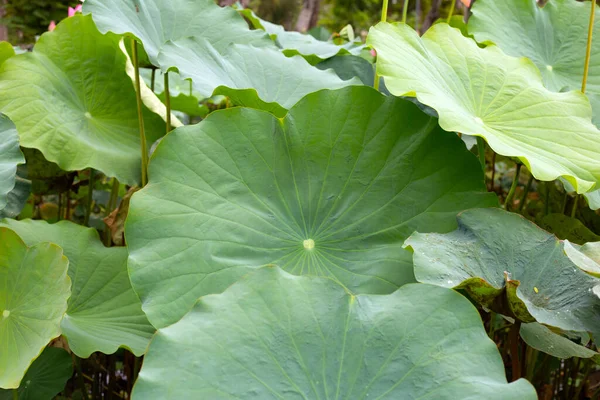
x: 373, y: 53
x: 73, y: 11
x: 51, y: 26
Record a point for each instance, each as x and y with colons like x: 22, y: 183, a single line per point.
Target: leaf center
x: 309, y: 244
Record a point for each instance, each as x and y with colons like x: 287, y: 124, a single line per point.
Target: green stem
x: 513, y: 188
x: 451, y: 11
x: 574, y: 209
x: 112, y: 203
x: 525, y: 193
x: 138, y: 92
x: 404, y: 11
x: 588, y: 50
x: 153, y: 78
x: 168, y: 101
x: 531, y: 359
x: 90, y: 199
x: 384, y: 13
x: 481, y: 150
x: 15, y: 394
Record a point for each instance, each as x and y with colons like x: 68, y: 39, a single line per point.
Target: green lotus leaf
x: 72, y: 99
x: 10, y: 157
x: 104, y: 313
x: 541, y: 338
x: 34, y: 288
x: 568, y: 228
x: 348, y: 67
x: 6, y: 51
x: 16, y: 199
x: 282, y: 336
x: 155, y: 22
x: 183, y: 97
x: 331, y: 189
x: 254, y: 77
x: 45, y: 378
x: 484, y: 92
x: 586, y: 257
x: 495, y: 255
x: 554, y: 37
x: 296, y: 43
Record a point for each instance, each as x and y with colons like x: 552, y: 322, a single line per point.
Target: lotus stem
x: 481, y: 150
x: 138, y: 92
x: 404, y: 11
x: 153, y: 79
x: 514, y: 350
x: 384, y: 13
x: 574, y: 209
x: 168, y: 101
x: 15, y: 394
x: 588, y: 50
x: 90, y: 199
x: 525, y: 193
x: 452, y: 5
x: 513, y: 188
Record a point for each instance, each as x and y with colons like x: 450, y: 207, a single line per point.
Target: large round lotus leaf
x: 274, y: 336
x: 348, y: 67
x: 45, y: 378
x: 72, y: 99
x: 586, y: 257
x: 495, y: 254
x: 541, y: 338
x: 332, y: 189
x: 155, y: 22
x: 486, y: 93
x: 34, y: 288
x: 253, y: 77
x: 10, y: 157
x: 554, y: 37
x: 104, y: 313
x: 293, y: 43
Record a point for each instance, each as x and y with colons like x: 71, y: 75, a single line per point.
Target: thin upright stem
x: 168, y: 101
x: 138, y: 92
x: 153, y: 79
x: 451, y: 11
x: 574, y: 209
x: 525, y: 193
x: 481, y: 150
x: 513, y: 188
x: 15, y: 394
x: 90, y: 199
x: 404, y: 11
x: 588, y: 50
x: 384, y: 13
x: 514, y: 350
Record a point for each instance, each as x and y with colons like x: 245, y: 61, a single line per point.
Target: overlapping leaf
x: 260, y: 78
x: 586, y: 257
x: 104, y: 313
x: 332, y: 189
x: 495, y: 255
x: 486, y: 93
x: 543, y: 339
x: 10, y: 157
x: 45, y: 378
x: 34, y: 288
x: 273, y: 335
x: 292, y: 43
x: 71, y: 99
x: 183, y: 97
x: 6, y: 51
x: 155, y: 22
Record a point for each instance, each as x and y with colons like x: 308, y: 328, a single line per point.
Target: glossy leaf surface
x: 10, y: 157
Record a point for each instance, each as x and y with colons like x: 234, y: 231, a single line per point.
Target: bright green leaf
x: 10, y: 157
x: 183, y: 97
x: 260, y: 78
x: 71, y: 99
x: 496, y: 255
x: 155, y: 22
x: 332, y: 189
x: 586, y: 257
x: 274, y: 336
x: 543, y: 339
x: 6, y: 51
x: 104, y: 313
x: 34, y: 288
x: 45, y: 378
x: 486, y: 93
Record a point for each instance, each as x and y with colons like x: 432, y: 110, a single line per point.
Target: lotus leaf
x: 72, y: 99
x: 273, y: 335
x: 34, y: 288
x: 331, y: 189
x: 10, y: 157
x: 484, y: 92
x: 498, y: 256
x: 103, y: 313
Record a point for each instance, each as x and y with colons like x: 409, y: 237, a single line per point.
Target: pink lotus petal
x: 71, y: 12
x: 79, y: 8
x: 51, y: 26
x: 373, y: 53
